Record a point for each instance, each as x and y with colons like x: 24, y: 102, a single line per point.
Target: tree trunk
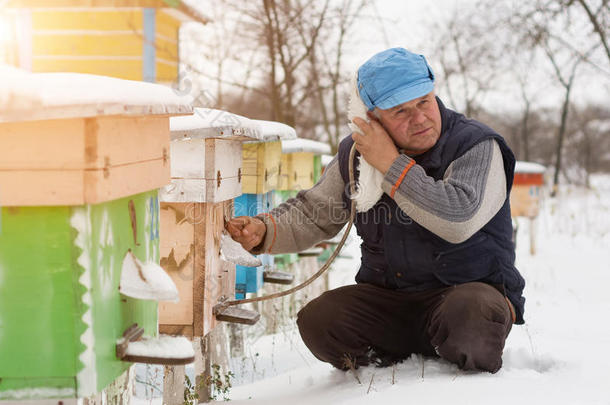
x: 525, y: 133
x: 560, y: 138
x: 270, y: 43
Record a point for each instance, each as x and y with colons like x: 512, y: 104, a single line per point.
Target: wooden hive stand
x: 526, y: 194
x: 206, y: 176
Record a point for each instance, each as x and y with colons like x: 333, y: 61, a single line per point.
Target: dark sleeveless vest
x: 398, y: 253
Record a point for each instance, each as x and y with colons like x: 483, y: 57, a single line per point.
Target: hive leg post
x: 532, y: 236
x: 173, y: 385
x: 203, y: 368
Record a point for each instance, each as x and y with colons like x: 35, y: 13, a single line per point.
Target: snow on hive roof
x: 210, y: 123
x: 529, y: 167
x: 305, y: 145
x: 28, y: 96
x: 272, y: 130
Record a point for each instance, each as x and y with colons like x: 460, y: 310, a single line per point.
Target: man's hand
x: 375, y: 146
x: 249, y: 231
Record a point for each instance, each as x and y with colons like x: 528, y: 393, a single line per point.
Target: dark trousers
x: 465, y: 324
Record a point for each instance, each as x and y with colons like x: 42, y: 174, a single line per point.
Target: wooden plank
x: 41, y: 188
x: 166, y: 49
x: 77, y: 161
x: 301, y: 176
x: 181, y: 330
x: 199, y: 268
x: 177, y: 258
x: 268, y: 166
x: 122, y: 140
x: 119, y: 67
x: 211, y: 277
x: 77, y: 187
x: 278, y: 277
x: 250, y: 158
x: 116, y: 44
x: 284, y: 172
x: 103, y: 20
x: 230, y: 188
x: 49, y: 144
x: 228, y: 279
x: 91, y: 143
x: 213, y: 265
x: 166, y: 72
x: 184, y: 190
x: 121, y: 181
x: 188, y: 159
x: 223, y: 162
x: 261, y: 160
x: 250, y: 154
x: 248, y: 184
x: 167, y: 25
x: 173, y: 385
x: 238, y: 315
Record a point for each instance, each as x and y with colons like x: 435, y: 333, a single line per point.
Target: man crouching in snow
x: 437, y: 274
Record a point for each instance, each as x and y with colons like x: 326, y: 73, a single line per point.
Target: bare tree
x: 469, y: 52
x: 291, y: 54
x: 565, y: 62
x: 589, y: 141
x: 328, y: 75
x: 599, y: 17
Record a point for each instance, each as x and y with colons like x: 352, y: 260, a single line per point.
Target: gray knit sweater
x: 471, y: 192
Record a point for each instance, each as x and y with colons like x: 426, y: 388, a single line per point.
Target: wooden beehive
x: 72, y: 148
x: 77, y: 199
x: 527, y: 189
x: 301, y: 164
x: 262, y: 160
x: 84, y: 160
x: 206, y: 155
x: 206, y: 151
x: 133, y: 39
x: 261, y: 166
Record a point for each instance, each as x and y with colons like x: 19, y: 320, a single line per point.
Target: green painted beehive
x: 61, y: 312
x: 79, y: 212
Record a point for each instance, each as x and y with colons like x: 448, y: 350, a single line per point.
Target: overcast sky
x: 410, y: 24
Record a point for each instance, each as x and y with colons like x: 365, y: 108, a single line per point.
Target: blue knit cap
x: 393, y: 77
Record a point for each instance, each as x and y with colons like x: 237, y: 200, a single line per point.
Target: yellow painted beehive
x: 262, y: 161
x: 298, y: 165
x: 128, y: 39
x: 261, y: 166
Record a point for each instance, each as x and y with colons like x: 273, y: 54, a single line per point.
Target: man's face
x: 415, y: 126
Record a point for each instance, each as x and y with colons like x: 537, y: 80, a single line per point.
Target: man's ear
x: 371, y: 116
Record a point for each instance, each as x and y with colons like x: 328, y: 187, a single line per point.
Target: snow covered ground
x: 560, y: 356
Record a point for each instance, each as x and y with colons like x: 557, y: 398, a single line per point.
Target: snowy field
x: 560, y: 356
